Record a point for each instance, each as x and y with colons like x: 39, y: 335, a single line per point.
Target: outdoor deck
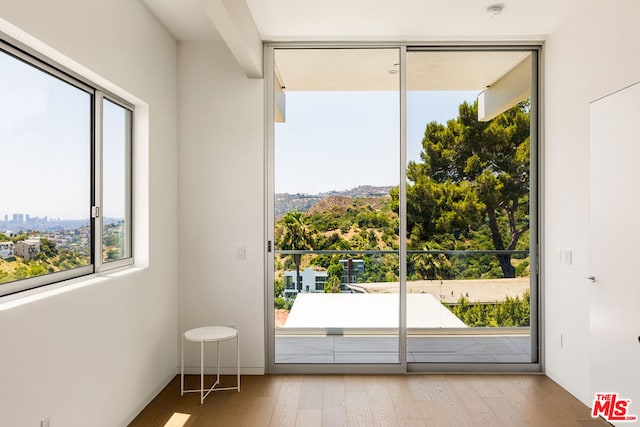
x: 384, y: 349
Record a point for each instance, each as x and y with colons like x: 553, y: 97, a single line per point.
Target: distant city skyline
x: 24, y: 217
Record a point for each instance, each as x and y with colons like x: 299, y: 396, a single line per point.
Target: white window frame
x: 535, y: 251
x: 99, y: 98
x: 9, y: 46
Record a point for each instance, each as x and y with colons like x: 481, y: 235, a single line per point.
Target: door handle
x: 592, y: 279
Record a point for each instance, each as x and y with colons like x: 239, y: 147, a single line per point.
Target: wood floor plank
x: 451, y: 404
x: 488, y: 419
x: 432, y: 413
x: 420, y: 387
x: 269, y: 386
x: 382, y: 410
x: 358, y: 409
x: 309, y: 418
x: 259, y: 412
x: 506, y: 413
x: 285, y: 410
x: 334, y: 410
x: 355, y: 383
x: 372, y: 400
x: 521, y: 391
x: 311, y: 396
x: 469, y: 397
x: 402, y: 398
x: 485, y: 386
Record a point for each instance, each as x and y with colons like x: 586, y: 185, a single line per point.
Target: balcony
x: 362, y: 323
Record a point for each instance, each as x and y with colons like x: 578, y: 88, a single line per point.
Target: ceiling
x: 380, y: 20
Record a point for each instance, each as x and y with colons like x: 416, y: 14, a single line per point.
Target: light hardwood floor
x: 371, y: 400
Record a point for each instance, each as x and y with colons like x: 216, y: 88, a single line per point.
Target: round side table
x: 203, y: 335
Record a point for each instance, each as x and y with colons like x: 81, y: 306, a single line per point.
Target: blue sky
x: 339, y: 140
x: 45, y: 135
x: 330, y: 141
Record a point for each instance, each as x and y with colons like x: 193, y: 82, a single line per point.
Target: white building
x: 6, y: 249
x: 310, y: 281
x: 314, y: 280
x: 29, y: 248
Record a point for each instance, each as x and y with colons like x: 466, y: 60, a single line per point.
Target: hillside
x: 285, y: 202
x: 340, y: 204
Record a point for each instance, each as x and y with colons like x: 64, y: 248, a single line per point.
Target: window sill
x: 8, y: 302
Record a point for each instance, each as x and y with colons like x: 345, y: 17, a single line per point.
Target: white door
x: 615, y: 247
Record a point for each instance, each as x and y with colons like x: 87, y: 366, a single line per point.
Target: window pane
x: 468, y: 186
x: 336, y: 165
x: 116, y: 236
x: 45, y: 150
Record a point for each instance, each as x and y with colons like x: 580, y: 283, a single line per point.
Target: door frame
x: 536, y: 223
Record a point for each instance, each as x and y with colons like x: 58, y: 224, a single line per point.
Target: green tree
x: 510, y: 312
x: 278, y: 288
x: 48, y: 247
x: 472, y: 175
x: 113, y: 254
x: 332, y: 285
x: 334, y: 276
x: 292, y: 233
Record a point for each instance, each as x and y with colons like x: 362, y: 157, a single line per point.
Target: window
x: 65, y: 204
x: 116, y: 202
x: 437, y: 214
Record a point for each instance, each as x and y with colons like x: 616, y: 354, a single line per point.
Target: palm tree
x: 293, y: 234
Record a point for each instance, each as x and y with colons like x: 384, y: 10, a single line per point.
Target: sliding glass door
x: 469, y: 192
x: 401, y: 225
x: 336, y: 157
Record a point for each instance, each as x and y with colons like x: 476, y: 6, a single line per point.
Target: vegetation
x: 510, y: 312
x: 113, y: 240
x: 49, y: 260
x: 471, y: 189
x: 292, y: 233
x: 334, y: 276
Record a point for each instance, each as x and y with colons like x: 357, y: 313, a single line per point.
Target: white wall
x: 221, y: 199
x: 590, y: 57
x: 94, y: 355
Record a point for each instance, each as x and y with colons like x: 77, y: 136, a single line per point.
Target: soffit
x: 374, y: 69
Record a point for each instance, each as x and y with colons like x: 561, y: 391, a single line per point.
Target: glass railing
x: 446, y: 290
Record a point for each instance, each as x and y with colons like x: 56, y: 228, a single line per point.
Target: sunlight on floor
x: 177, y: 420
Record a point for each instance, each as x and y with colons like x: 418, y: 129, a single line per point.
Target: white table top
x: 211, y: 333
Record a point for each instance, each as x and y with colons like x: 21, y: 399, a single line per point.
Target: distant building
x: 6, y: 249
x: 310, y: 281
x: 353, y: 268
x: 29, y: 248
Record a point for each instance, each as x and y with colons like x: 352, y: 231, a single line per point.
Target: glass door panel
x: 337, y: 160
x: 468, y: 207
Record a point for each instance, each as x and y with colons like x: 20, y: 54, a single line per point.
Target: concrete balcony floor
x: 385, y: 349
